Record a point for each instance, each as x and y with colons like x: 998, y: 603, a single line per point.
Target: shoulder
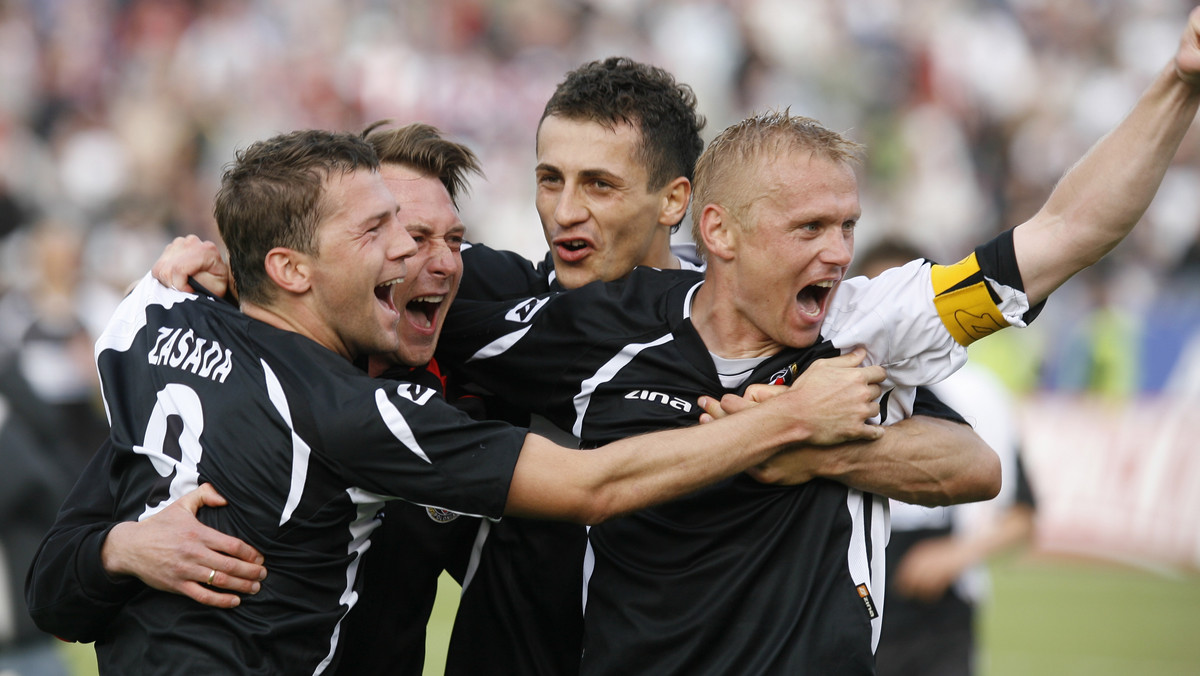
x: 491, y: 274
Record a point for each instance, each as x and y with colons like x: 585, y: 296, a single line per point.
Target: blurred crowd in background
x: 117, y: 116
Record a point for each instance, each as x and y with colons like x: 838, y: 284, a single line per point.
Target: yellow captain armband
x: 962, y: 300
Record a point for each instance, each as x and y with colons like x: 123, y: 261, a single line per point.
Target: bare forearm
x: 637, y: 472
x: 922, y: 460
x: 1104, y: 195
x: 829, y: 403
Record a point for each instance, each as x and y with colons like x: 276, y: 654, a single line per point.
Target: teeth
x: 428, y: 299
x: 827, y: 284
x: 398, y: 280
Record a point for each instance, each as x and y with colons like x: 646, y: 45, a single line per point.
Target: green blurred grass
x: 1067, y: 618
x: 1047, y: 617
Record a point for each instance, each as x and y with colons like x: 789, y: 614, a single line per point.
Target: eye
x: 548, y: 180
x: 849, y: 226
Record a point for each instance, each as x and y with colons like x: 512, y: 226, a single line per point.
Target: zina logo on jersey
x: 661, y: 398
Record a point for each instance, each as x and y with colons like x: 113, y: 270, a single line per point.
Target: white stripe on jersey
x: 394, y: 419
x: 130, y: 318
x: 368, y: 505
x: 881, y: 532
x: 300, y: 449
x: 500, y: 345
x: 605, y: 374
x: 868, y: 569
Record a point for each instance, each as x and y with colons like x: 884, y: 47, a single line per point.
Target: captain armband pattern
x: 964, y: 302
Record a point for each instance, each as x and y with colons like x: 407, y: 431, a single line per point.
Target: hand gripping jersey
x: 304, y: 446
x: 739, y: 577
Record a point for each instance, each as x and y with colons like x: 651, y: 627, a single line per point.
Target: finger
x: 233, y: 575
x: 213, y: 281
x: 873, y: 432
x: 731, y: 403
x: 208, y: 495
x: 201, y: 594
x: 761, y: 392
x: 874, y: 374
x: 712, y: 409
x: 855, y: 356
x: 196, y: 498
x: 233, y: 548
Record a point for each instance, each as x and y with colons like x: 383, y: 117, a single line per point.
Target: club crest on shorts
x: 441, y: 515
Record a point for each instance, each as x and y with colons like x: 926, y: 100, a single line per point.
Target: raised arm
x: 1103, y: 196
x: 829, y: 403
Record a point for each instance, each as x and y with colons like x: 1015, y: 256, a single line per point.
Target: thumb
x: 204, y: 496
x: 854, y: 357
x: 873, y: 432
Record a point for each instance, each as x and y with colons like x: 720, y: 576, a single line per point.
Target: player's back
x: 304, y: 446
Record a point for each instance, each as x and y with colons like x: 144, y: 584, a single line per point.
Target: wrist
x: 110, y: 551
x: 1191, y: 79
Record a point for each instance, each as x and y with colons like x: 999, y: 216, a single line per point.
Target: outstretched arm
x: 829, y: 403
x: 1103, y: 196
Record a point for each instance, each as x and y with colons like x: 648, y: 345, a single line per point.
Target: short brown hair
x: 422, y: 147
x: 619, y: 90
x: 272, y: 195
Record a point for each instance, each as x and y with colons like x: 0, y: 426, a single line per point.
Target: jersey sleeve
x: 67, y: 590
x: 917, y: 319
x: 490, y: 274
x: 401, y: 439
x: 983, y: 292
x: 542, y: 351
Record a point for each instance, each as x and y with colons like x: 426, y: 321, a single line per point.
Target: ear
x: 719, y: 231
x: 289, y: 269
x: 675, y: 197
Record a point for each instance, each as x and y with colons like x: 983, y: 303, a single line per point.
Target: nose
x: 442, y: 260
x: 839, y: 247
x: 402, y: 244
x: 570, y: 209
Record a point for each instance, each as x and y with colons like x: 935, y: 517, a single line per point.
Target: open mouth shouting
x: 422, y: 311
x: 383, y: 293
x: 812, y: 298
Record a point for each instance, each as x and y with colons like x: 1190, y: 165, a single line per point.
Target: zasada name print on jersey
x: 182, y: 349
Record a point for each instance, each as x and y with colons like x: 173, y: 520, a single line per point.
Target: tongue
x: 808, y: 302
x: 420, y: 314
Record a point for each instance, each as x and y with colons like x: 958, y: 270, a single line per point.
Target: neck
x: 296, y: 322
x: 724, y: 330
